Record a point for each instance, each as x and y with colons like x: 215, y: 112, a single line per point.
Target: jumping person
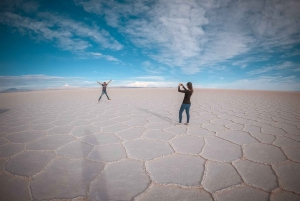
x: 104, y: 85
x: 186, y: 104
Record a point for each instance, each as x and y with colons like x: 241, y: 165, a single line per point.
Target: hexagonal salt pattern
x: 65, y: 178
x: 63, y: 145
x: 258, y: 175
x: 168, y: 193
x: 29, y: 163
x: 244, y: 193
x: 219, y: 176
x: 147, y: 149
x: 289, y: 175
x: 177, y: 169
x: 220, y: 150
x: 122, y: 180
x: 15, y: 188
x: 264, y: 153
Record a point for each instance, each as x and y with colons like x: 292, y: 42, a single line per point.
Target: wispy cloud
x: 193, y: 34
x: 276, y: 83
x: 107, y: 57
x: 282, y: 66
x: 66, y: 33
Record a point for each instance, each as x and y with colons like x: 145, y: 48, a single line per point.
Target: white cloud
x: 279, y: 67
x: 194, y: 34
x: 107, y: 57
x: 276, y: 83
x: 142, y: 84
x: 66, y: 33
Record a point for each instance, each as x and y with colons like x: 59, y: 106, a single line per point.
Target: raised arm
x: 99, y: 83
x: 179, y: 90
x: 109, y: 81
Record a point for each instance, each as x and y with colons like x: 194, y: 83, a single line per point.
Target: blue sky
x: 237, y: 44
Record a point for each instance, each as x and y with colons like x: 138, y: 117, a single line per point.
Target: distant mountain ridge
x: 11, y: 90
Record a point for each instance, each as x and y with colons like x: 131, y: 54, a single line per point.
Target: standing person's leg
x: 107, y: 95
x: 100, y: 96
x: 187, y: 110
x: 180, y: 112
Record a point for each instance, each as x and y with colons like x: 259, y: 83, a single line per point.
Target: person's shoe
x: 186, y: 123
x: 109, y: 99
x: 98, y: 101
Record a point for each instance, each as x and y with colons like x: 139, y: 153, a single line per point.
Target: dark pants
x: 103, y: 92
x: 185, y: 107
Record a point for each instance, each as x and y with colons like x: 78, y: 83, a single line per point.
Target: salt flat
x: 63, y: 145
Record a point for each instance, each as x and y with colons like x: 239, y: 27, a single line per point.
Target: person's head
x: 104, y: 82
x: 190, y: 86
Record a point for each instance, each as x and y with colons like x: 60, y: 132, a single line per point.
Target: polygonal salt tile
x: 62, y: 122
x: 177, y: 169
x: 15, y: 188
x: 219, y: 176
x: 238, y: 137
x: 107, y: 153
x: 272, y: 130
x: 258, y: 175
x: 4, y: 130
x: 168, y: 193
x: 234, y: 126
x: 80, y: 122
x: 131, y: 133
x: 19, y: 129
x: 147, y: 149
x: 265, y: 138
x: 290, y: 129
x: 100, y: 139
x: 42, y: 121
x: 120, y: 119
x: 285, y: 142
x: 201, y: 132
x: 8, y: 150
x: 281, y: 195
x: 50, y: 142
x: 25, y: 136
x: 243, y: 121
x: 121, y: 180
x: 295, y: 137
x: 177, y: 130
x: 29, y: 163
x: 75, y: 149
x: 213, y: 127
x: 80, y: 131
x: 18, y: 123
x: 220, y: 150
x: 3, y: 162
x: 158, y: 125
x: 41, y: 127
x: 3, y: 141
x: 155, y: 119
x: 115, y: 128
x: 264, y: 153
x: 136, y: 122
x: 221, y: 122
x: 292, y: 153
x: 288, y: 174
x: 157, y: 134
x: 244, y: 193
x: 65, y: 129
x: 74, y: 175
x: 104, y: 123
x: 252, y: 129
x: 187, y: 144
